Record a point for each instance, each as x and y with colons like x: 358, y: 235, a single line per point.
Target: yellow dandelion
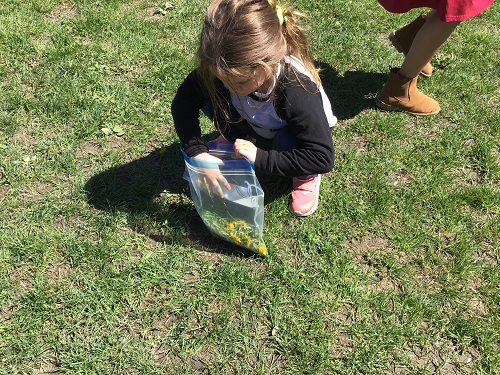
x: 262, y: 249
x: 234, y: 238
x: 248, y: 241
x: 229, y: 225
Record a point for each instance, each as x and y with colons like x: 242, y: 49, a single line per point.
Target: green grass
x: 106, y: 268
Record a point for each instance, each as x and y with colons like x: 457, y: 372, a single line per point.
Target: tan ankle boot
x: 401, y: 94
x: 402, y: 39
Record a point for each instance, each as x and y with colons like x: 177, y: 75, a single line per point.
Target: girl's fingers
x: 212, y: 182
x: 245, y: 148
x: 217, y: 188
x: 225, y: 183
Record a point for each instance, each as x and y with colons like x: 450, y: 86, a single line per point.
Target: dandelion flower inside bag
x: 237, y: 216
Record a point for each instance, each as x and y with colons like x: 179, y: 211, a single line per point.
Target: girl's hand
x: 213, y: 175
x: 246, y: 149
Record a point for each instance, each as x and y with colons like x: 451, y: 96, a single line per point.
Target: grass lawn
x: 106, y: 268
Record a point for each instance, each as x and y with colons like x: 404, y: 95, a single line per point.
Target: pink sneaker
x: 305, y: 195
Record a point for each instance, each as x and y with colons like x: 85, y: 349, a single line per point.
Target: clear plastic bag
x: 238, y: 216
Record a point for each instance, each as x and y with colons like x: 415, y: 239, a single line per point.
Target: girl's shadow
x: 157, y: 201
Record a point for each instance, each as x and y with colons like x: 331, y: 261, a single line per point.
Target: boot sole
x: 399, y: 48
x: 389, y: 107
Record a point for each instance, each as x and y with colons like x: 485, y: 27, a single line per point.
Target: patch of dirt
x: 160, y: 351
x: 61, y: 270
x: 341, y: 345
x: 429, y: 132
x: 468, y: 176
x: 154, y: 295
x: 383, y: 37
x: 24, y: 139
x: 27, y: 89
x: 442, y: 358
x: 191, y: 278
x: 84, y: 41
x: 49, y: 365
x: 487, y: 252
x: 128, y: 6
x: 65, y: 10
x: 151, y: 13
x: 6, y: 312
x: 369, y: 251
x: 428, y: 282
x: 399, y: 179
x: 385, y: 284
x: 359, y: 144
x: 163, y: 353
x: 197, y: 364
x: 38, y: 189
x: 20, y: 277
x: 369, y: 243
x: 70, y: 222
x: 477, y: 307
x: 89, y: 148
x: 114, y: 142
x: 4, y: 190
x: 344, y: 312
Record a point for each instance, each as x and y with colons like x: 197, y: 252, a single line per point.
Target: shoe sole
x: 312, y: 210
x: 389, y: 107
x: 399, y: 48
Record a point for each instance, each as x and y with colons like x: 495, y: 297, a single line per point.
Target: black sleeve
x: 300, y: 104
x: 190, y: 98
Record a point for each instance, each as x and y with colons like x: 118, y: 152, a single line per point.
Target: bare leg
x: 426, y: 43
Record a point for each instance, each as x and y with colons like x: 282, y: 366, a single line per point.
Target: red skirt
x: 447, y: 10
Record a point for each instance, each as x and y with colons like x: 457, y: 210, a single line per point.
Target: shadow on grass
x: 352, y: 92
x: 136, y: 188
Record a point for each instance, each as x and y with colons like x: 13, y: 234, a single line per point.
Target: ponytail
x: 295, y: 37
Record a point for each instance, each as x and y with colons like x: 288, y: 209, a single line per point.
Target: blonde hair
x: 239, y: 36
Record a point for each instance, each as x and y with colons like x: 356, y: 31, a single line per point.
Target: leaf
x: 165, y: 8
x: 107, y: 131
x: 118, y: 130
x: 29, y: 159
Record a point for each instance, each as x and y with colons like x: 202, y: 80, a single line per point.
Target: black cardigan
x: 297, y: 101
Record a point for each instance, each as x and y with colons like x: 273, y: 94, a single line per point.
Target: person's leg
x: 305, y: 189
x: 402, y: 39
x: 426, y: 43
x: 400, y: 93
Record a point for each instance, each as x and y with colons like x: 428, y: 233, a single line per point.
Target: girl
x: 257, y: 81
x: 419, y: 41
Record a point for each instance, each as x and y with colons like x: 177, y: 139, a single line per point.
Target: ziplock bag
x: 238, y: 216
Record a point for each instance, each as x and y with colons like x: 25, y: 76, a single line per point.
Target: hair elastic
x: 281, y: 13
